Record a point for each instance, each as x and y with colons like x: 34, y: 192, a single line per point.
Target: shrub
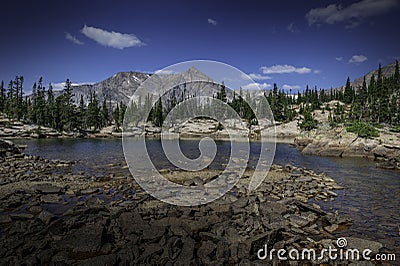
x: 220, y: 126
x: 363, y: 129
x: 308, y: 122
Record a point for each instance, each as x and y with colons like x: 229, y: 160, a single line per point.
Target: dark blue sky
x: 292, y: 43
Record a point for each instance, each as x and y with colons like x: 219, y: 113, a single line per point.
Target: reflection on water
x: 370, y: 197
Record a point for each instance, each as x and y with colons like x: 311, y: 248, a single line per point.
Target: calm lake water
x: 370, y: 197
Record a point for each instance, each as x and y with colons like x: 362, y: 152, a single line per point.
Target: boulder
x: 87, y: 239
x: 7, y: 148
x: 47, y: 189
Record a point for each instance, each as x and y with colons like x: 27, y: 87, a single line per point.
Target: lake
x: 370, y: 197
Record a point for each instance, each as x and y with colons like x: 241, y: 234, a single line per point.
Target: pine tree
x: 158, y: 116
x: 348, y: 95
x: 68, y: 117
x: 2, y: 97
x: 93, y: 112
x: 308, y: 122
x: 50, y: 107
x: 116, y: 118
x: 104, y: 114
x: 40, y: 104
x: 82, y: 114
x: 221, y: 95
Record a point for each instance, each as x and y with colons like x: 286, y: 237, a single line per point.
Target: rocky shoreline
x: 50, y: 216
x: 338, y: 143
x: 324, y: 141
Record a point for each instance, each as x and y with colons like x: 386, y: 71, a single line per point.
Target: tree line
x: 375, y: 102
x: 43, y: 108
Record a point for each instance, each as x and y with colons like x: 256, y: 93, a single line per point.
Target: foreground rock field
x: 52, y: 217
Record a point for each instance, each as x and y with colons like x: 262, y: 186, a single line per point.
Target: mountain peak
x: 194, y: 74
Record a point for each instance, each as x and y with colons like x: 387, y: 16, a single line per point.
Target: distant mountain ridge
x: 115, y: 89
x: 123, y: 85
x: 387, y: 71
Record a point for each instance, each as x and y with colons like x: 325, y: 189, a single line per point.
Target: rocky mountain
x: 115, y: 89
x: 123, y: 85
x: 387, y: 71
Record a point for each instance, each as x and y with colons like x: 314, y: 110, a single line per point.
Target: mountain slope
x: 123, y: 85
x: 387, y: 71
x: 117, y: 88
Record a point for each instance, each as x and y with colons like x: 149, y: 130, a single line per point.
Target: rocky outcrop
x: 387, y: 155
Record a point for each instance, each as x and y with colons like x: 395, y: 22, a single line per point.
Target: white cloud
x: 212, y: 21
x: 284, y: 69
x: 334, y: 13
x: 111, y: 39
x: 339, y: 58
x: 290, y: 87
x: 71, y: 38
x: 292, y: 28
x: 256, y: 86
x: 255, y: 76
x: 317, y: 71
x: 357, y: 59
x: 61, y: 85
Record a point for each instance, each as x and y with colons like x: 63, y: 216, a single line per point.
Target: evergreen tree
x: 50, y: 107
x: 68, y: 116
x: 308, y: 122
x: 221, y: 95
x: 93, y: 112
x: 40, y: 104
x: 82, y: 114
x: 348, y: 96
x: 116, y: 118
x: 158, y: 116
x: 104, y: 114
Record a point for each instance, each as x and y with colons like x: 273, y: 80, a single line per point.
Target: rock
x: 307, y: 207
x: 196, y: 181
x: 106, y: 260
x: 150, y: 252
x: 4, y: 219
x: 324, y: 148
x: 331, y: 228
x: 276, y: 208
x: 187, y: 252
x: 131, y: 222
x: 47, y: 189
x: 7, y: 146
x: 362, y: 244
x: 94, y: 202
x: 259, y: 241
x: 87, y: 239
x: 35, y: 209
x: 21, y: 216
x: 302, y: 142
x: 205, y: 250
x: 89, y: 191
x: 50, y: 198
x: 232, y: 235
x: 46, y: 217
x: 386, y: 152
x: 298, y: 221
